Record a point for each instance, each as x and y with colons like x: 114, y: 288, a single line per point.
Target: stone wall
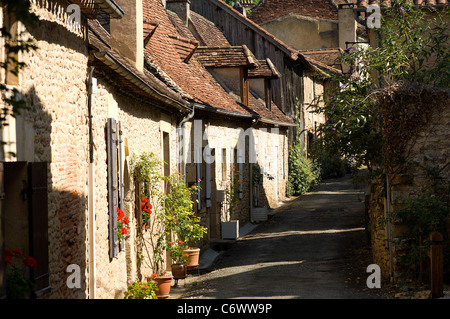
x: 315, y: 34
x: 423, y: 144
x: 54, y: 87
x: 142, y: 125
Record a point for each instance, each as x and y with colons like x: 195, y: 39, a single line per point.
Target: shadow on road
x: 315, y: 246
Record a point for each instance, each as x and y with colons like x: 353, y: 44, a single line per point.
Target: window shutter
x: 199, y: 176
x: 208, y: 176
x: 39, y: 223
x: 120, y: 182
x: 240, y: 160
x: 112, y: 142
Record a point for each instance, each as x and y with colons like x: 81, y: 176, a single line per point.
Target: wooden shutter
x: 112, y: 141
x: 37, y: 178
x: 241, y: 160
x: 199, y: 176
x: 120, y: 182
x: 208, y: 176
x: 115, y: 182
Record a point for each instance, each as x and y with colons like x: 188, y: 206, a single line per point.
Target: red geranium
x: 120, y: 213
x: 30, y: 262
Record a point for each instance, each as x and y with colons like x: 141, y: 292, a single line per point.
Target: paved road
x: 315, y: 246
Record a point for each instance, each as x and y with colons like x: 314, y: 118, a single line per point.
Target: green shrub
x: 331, y: 166
x: 303, y: 174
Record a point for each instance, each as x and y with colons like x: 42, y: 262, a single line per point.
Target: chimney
x: 127, y: 34
x: 181, y: 8
x: 347, y: 25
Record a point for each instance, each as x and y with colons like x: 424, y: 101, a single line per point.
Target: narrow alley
x: 315, y: 246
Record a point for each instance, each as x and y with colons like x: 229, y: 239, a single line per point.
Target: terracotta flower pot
x: 164, y: 284
x: 194, y: 254
x: 179, y: 271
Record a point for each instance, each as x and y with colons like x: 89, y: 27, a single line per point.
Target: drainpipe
x: 91, y: 193
x: 254, y: 122
x: 180, y: 126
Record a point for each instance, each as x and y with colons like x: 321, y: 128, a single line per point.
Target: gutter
x: 255, y: 118
x: 279, y: 123
x: 117, y: 66
x: 224, y: 112
x: 110, y: 7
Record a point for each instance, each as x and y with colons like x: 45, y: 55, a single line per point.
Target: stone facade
x: 56, y: 130
x: 53, y: 86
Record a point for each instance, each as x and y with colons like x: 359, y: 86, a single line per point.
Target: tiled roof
x: 328, y: 57
x: 208, y: 33
x: 165, y: 52
x: 223, y: 57
x: 184, y: 46
x: 265, y: 70
x: 192, y: 78
x: 268, y: 10
x: 124, y: 74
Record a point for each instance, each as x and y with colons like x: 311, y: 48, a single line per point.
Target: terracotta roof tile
x: 165, y: 51
x: 99, y: 40
x: 265, y: 70
x: 190, y: 77
x: 223, y: 57
x: 208, y: 33
x: 328, y: 57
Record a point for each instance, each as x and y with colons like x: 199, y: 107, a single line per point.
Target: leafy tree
x: 414, y: 48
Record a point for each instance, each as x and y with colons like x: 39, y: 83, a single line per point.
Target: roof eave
x: 110, y: 7
x: 134, y: 78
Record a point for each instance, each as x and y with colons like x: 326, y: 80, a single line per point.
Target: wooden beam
x: 268, y: 93
x: 244, y: 85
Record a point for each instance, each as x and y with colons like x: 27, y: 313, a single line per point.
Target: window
x: 24, y: 218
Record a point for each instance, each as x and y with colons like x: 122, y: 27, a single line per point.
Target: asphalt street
x: 313, y: 247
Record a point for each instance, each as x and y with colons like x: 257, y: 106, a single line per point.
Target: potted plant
x: 176, y: 251
x: 141, y: 290
x: 152, y: 228
x: 163, y: 283
x: 181, y: 219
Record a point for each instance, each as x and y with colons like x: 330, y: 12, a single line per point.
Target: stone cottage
x: 91, y: 106
x: 114, y: 79
x: 235, y: 125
